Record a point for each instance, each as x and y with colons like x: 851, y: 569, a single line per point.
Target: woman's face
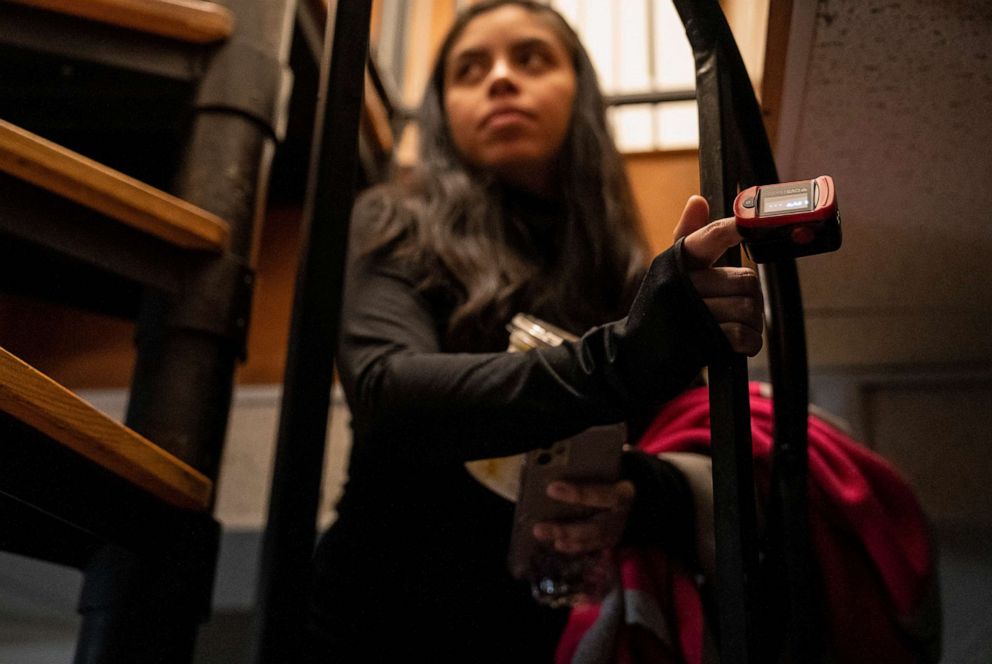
x: 509, y: 84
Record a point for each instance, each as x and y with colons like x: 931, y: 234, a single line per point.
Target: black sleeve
x: 663, y: 510
x: 410, y: 401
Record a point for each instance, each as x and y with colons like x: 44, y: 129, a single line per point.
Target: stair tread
x: 38, y: 401
x: 195, y: 21
x: 69, y: 174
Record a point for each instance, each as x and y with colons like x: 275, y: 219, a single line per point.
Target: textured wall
x: 897, y: 106
x: 893, y: 98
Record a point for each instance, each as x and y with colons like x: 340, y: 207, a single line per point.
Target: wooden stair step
x: 194, y: 21
x: 69, y: 174
x: 39, y: 402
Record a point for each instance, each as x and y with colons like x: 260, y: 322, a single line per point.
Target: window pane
x: 633, y: 67
x: 674, y: 65
x: 632, y: 127
x: 676, y: 125
x: 597, y: 34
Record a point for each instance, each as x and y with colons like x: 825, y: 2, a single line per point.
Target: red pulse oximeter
x: 789, y: 220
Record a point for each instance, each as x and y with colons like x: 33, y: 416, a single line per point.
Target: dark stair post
x: 145, y: 606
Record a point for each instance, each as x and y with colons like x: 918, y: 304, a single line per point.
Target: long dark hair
x: 450, y: 219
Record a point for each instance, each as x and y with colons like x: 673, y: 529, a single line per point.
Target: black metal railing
x: 734, y: 154
x: 290, y: 533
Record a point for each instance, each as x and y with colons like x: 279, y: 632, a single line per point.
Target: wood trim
x: 416, y: 69
x: 375, y: 20
x: 442, y: 18
x: 776, y: 52
x: 375, y: 119
x: 194, y: 21
x: 38, y: 401
x: 69, y: 174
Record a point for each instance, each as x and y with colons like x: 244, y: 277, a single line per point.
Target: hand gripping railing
x: 734, y: 154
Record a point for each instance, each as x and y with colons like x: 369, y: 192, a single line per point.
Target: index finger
x: 704, y: 247
x: 603, y: 496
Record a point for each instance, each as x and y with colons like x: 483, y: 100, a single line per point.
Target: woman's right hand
x: 732, y: 294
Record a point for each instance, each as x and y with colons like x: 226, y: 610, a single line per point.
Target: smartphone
x: 590, y: 456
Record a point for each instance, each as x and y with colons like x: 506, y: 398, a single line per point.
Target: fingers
x: 733, y: 296
x: 742, y: 338
x: 575, y: 538
x: 597, y: 532
x: 705, y: 242
x: 695, y: 215
x: 601, y: 496
x: 704, y: 246
x: 726, y: 281
x: 741, y: 310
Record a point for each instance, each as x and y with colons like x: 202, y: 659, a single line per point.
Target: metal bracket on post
x: 216, y: 300
x: 263, y: 96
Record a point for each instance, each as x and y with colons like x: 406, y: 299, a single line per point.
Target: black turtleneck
x: 415, y: 565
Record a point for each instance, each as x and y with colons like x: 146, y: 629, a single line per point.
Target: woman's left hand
x: 600, y: 531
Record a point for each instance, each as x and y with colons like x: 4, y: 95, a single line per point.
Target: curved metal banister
x: 734, y: 154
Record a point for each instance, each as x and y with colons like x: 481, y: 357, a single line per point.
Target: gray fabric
x: 596, y: 646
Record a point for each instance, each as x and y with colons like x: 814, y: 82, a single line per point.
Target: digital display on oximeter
x: 790, y: 203
x: 788, y: 220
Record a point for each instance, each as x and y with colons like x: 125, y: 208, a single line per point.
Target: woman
x: 520, y: 205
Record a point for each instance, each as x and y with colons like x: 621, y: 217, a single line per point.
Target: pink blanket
x: 875, y: 563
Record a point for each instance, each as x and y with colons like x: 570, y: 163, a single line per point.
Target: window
x: 638, y: 47
x: 645, y: 67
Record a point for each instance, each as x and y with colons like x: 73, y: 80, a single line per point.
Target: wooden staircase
x: 109, y: 192
x: 88, y: 90
x: 194, y: 21
x: 40, y: 403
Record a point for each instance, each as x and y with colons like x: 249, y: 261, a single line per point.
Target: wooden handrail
x: 194, y: 21
x: 38, y: 401
x: 375, y: 119
x: 70, y: 174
